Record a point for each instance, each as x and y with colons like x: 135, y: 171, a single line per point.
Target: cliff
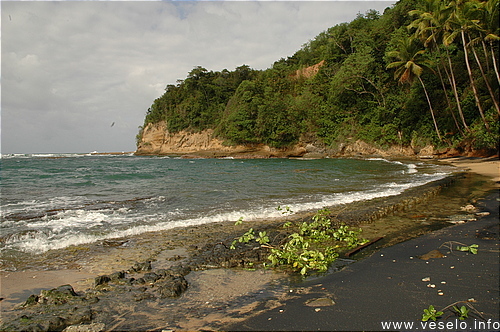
x: 156, y: 140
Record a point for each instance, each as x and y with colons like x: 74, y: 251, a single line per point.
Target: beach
x: 489, y: 167
x: 224, y: 298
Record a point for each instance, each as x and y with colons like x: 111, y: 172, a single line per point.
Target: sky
x: 79, y: 76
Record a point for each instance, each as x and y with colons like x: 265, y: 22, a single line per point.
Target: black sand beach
x: 388, y: 286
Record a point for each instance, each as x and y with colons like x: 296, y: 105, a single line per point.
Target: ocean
x: 52, y: 201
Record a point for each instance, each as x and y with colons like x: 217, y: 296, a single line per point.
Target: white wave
x: 72, y: 218
x: 412, y: 168
x: 31, y: 205
x: 65, y: 228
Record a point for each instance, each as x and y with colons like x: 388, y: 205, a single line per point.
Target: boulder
x: 172, y: 287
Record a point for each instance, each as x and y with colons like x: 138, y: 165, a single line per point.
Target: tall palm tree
x: 429, y: 28
x: 460, y: 22
x: 478, y: 18
x: 410, y: 65
x: 490, y: 27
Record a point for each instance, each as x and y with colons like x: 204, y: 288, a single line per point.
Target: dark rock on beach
x: 53, y: 310
x: 172, y: 286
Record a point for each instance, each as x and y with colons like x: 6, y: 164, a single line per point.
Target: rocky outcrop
x: 157, y: 140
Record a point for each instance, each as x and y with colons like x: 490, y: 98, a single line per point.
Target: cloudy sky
x: 72, y: 69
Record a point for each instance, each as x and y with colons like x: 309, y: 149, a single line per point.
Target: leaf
x: 239, y: 221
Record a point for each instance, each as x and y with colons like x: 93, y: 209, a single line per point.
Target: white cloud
x: 70, y: 69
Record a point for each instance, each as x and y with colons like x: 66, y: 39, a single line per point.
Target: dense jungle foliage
x: 426, y: 71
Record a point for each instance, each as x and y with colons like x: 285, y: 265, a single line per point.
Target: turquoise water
x: 53, y: 201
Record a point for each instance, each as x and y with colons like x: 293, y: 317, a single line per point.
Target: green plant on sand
x: 310, y: 246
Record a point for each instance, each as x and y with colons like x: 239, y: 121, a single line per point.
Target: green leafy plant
x: 245, y: 238
x: 463, y: 312
x: 297, y: 254
x: 348, y: 235
x: 472, y: 248
x: 262, y: 238
x: 312, y: 247
x: 431, y: 313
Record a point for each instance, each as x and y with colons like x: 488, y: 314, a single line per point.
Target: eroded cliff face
x: 156, y: 140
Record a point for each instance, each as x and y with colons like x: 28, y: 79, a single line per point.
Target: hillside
x: 423, y: 75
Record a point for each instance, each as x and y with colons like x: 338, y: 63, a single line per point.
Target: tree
x: 428, y: 27
x: 410, y: 65
x: 459, y: 23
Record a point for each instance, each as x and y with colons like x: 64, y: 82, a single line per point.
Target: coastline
x: 107, y: 259
x: 489, y: 167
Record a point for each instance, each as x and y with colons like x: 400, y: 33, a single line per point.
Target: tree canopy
x: 424, y: 71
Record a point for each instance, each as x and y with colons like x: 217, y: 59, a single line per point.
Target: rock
x: 426, y: 152
x: 138, y: 281
x: 59, y: 295
x: 117, y: 275
x: 179, y: 270
x: 94, y: 327
x: 144, y: 266
x: 314, y: 155
x: 32, y: 300
x: 320, y: 302
x: 173, y: 287
x: 175, y: 258
x: 79, y: 315
x: 114, y: 243
x: 150, y: 277
x: 432, y: 254
x: 101, y: 280
x: 468, y: 208
x: 482, y: 214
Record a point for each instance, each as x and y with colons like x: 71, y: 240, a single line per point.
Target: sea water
x: 54, y: 201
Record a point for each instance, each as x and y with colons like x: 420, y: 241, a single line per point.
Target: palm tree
x: 478, y: 18
x: 490, y: 27
x: 460, y: 22
x: 410, y: 65
x: 428, y: 27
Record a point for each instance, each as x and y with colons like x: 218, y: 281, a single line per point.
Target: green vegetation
x: 473, y: 248
x: 424, y: 72
x: 463, y: 312
x: 431, y: 313
x: 309, y: 246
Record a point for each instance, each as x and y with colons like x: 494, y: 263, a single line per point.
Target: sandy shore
x: 16, y: 286
x: 489, y: 167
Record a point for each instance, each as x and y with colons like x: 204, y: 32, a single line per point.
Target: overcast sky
x: 72, y: 69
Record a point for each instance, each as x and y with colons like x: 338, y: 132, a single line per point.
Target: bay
x: 52, y: 201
